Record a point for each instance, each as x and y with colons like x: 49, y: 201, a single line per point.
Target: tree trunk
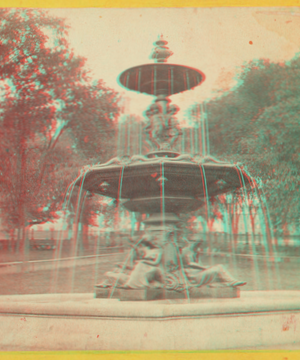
x: 18, y: 240
x: 85, y: 236
x: 21, y: 168
x: 252, y: 217
x: 24, y: 246
x: 12, y: 240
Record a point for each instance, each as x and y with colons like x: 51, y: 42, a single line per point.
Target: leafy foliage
x: 257, y: 124
x: 48, y: 102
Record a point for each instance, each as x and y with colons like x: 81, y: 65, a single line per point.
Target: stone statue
x: 174, y: 129
x: 120, y: 270
x: 199, y: 275
x: 154, y: 126
x: 163, y: 129
x: 143, y: 269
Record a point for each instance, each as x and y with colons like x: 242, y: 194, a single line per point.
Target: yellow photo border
x: 145, y: 3
x: 149, y: 355
x: 145, y: 355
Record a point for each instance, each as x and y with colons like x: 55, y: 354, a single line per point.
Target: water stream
x: 196, y: 140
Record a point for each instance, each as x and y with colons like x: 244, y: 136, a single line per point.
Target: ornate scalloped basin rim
x: 182, y: 159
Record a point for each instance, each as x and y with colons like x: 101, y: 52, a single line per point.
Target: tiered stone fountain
x: 163, y: 184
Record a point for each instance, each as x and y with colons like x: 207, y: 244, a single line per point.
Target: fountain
x: 163, y: 184
x: 161, y: 297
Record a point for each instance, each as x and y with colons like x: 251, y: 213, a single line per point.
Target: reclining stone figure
x: 199, y: 275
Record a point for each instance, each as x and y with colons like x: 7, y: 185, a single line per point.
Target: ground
x: 83, y: 278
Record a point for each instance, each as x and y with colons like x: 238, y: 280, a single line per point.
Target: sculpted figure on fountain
x: 200, y: 275
x: 143, y: 268
x: 173, y: 125
x: 163, y: 129
x: 147, y: 271
x: 154, y: 127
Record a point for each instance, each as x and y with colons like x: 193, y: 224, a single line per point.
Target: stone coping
x: 85, y: 305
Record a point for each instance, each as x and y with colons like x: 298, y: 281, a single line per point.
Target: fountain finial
x: 161, y: 52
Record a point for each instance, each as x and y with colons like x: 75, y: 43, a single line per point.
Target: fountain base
x: 129, y: 295
x: 262, y: 319
x: 163, y: 294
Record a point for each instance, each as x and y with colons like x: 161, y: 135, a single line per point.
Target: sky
x: 217, y: 41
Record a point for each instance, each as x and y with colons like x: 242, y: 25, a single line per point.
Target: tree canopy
x: 49, y: 109
x: 257, y: 124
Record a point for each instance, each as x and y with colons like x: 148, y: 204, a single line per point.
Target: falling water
x: 263, y: 230
x: 196, y: 143
x: 119, y: 198
x: 183, y: 141
x: 80, y: 221
x: 140, y: 136
x: 99, y: 237
x: 269, y: 229
x: 180, y: 263
x: 162, y: 199
x: 128, y: 136
x: 207, y: 207
x: 202, y: 119
x: 133, y: 223
x: 266, y: 246
x: 228, y: 230
x: 118, y: 204
x: 123, y: 267
x: 253, y: 247
x: 121, y: 135
x: 200, y: 140
x: 253, y: 252
x: 119, y: 139
x: 270, y: 226
x: 76, y: 237
x: 203, y: 129
x: 207, y: 132
x: 192, y: 147
x: 58, y: 251
x: 196, y: 140
x: 163, y: 193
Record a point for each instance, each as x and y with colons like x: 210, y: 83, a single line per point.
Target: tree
x: 45, y: 93
x: 93, y: 125
x: 257, y: 124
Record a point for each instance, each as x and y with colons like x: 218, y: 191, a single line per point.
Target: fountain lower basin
x: 183, y: 182
x: 81, y: 322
